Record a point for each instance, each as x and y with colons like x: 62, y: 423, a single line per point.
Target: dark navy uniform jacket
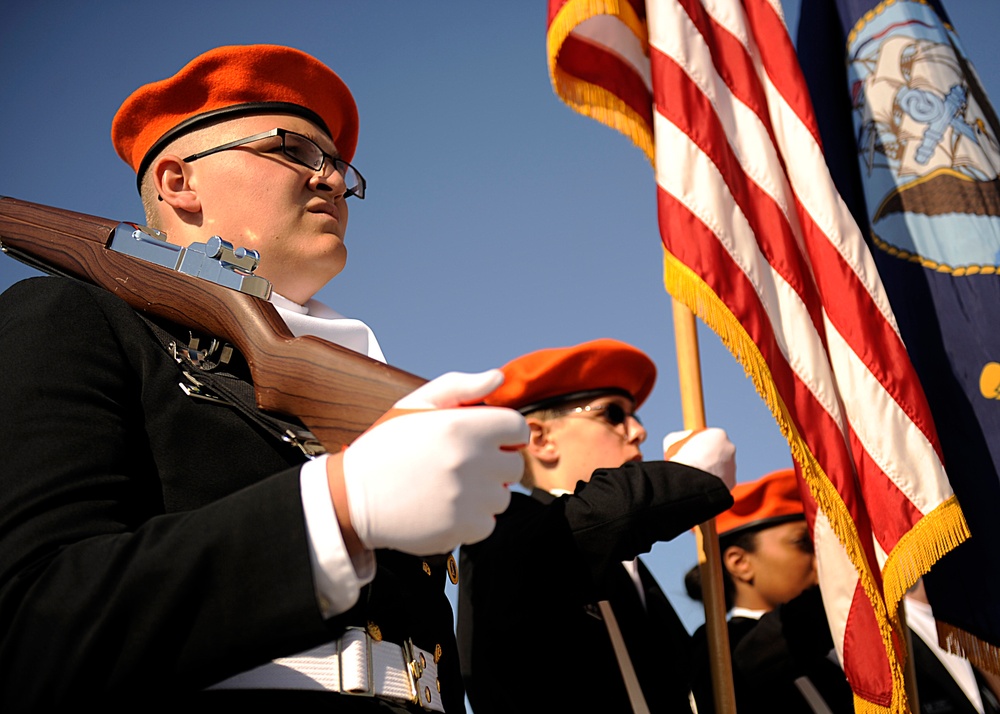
x: 152, y: 544
x: 528, y: 619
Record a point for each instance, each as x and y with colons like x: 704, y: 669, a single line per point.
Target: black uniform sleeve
x: 785, y: 637
x: 620, y: 513
x: 527, y: 593
x: 787, y: 653
x: 575, y: 539
x: 147, y: 543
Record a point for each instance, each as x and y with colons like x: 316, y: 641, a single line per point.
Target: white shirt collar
x: 315, y: 318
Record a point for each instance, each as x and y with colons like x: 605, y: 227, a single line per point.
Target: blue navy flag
x: 911, y: 141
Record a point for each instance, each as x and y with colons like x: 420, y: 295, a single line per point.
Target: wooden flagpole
x: 709, y: 557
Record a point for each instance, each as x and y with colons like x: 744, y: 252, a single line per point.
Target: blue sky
x: 497, y: 220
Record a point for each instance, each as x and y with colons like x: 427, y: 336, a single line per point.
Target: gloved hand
x: 426, y: 481
x: 707, y: 449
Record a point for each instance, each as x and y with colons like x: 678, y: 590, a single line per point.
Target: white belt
x: 354, y: 664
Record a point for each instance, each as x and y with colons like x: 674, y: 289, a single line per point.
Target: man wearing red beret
x: 542, y: 599
x: 158, y: 550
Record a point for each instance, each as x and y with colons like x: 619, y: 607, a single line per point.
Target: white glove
x: 427, y: 481
x: 708, y: 449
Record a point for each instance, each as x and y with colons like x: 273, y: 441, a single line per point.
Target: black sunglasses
x: 612, y: 412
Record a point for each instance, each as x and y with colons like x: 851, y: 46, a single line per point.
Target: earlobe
x: 174, y: 184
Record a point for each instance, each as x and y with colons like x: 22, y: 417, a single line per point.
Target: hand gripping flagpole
x: 709, y: 556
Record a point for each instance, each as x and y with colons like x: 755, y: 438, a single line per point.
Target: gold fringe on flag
x: 933, y: 536
x: 863, y: 706
x: 587, y: 98
x: 908, y: 562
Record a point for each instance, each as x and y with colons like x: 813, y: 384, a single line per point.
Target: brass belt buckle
x: 415, y: 666
x: 413, y: 670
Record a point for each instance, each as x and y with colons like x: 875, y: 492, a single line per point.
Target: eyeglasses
x: 613, y: 413
x: 302, y: 150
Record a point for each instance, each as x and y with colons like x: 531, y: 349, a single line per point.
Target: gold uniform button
x: 453, y: 570
x: 438, y: 685
x: 423, y: 661
x: 374, y: 632
x: 437, y: 653
x: 427, y: 694
x: 427, y: 568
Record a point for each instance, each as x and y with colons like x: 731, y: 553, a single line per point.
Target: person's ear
x: 174, y: 184
x: 541, y: 446
x: 739, y: 564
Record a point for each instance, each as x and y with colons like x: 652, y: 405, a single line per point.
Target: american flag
x: 759, y: 244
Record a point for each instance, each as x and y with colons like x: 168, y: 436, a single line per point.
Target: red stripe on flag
x: 731, y: 62
x: 592, y: 63
x: 897, y: 513
x: 866, y: 667
x: 782, y: 63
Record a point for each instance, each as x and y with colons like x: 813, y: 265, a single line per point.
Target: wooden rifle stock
x: 335, y: 392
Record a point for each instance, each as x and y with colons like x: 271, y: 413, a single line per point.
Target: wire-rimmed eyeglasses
x: 302, y: 150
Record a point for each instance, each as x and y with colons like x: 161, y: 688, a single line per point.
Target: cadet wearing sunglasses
x: 557, y: 553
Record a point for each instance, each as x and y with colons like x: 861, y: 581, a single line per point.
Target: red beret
x: 768, y: 501
x: 562, y: 373
x: 234, y: 81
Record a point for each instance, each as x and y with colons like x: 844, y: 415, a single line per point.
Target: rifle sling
x: 215, y: 376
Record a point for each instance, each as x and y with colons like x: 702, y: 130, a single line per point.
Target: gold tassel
x: 982, y: 654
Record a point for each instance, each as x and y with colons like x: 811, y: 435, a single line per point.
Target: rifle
x: 335, y: 392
